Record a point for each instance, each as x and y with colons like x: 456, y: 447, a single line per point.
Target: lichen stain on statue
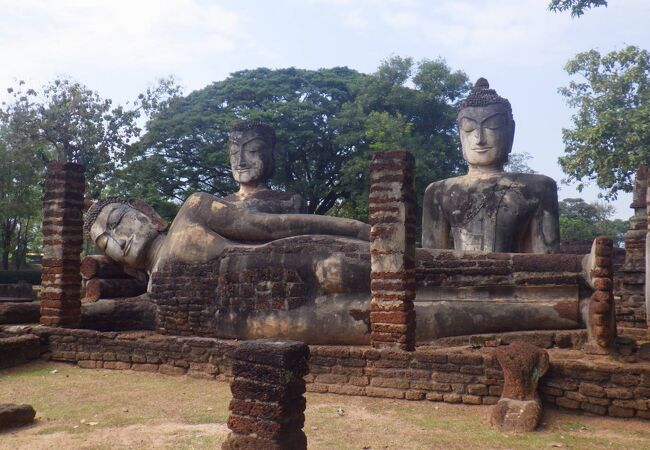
x: 489, y: 209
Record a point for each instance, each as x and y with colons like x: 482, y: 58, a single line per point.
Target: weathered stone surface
x: 22, y: 312
x: 12, y: 415
x: 488, y: 209
x: 519, y: 408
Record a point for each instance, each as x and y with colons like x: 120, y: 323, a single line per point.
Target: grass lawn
x: 105, y: 409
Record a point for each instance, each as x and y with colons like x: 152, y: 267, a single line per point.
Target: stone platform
x: 461, y: 373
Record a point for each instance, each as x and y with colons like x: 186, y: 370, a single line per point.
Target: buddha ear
x: 511, y: 137
x: 145, y: 208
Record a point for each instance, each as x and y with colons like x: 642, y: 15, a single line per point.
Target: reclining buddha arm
x: 239, y: 224
x: 435, y: 228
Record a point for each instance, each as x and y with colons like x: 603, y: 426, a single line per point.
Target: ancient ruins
x: 488, y: 311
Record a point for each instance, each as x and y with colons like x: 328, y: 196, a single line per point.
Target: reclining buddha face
x: 124, y: 234
x: 486, y: 134
x: 250, y: 157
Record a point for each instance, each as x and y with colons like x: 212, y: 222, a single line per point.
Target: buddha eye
x: 494, y: 122
x: 115, y: 218
x: 467, y: 125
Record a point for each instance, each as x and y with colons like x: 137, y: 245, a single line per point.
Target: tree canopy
x: 580, y: 220
x: 327, y: 122
x: 77, y: 124
x: 611, y: 128
x: 577, y: 7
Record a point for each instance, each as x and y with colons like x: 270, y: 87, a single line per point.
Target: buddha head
x: 486, y: 127
x: 251, y: 147
x: 124, y: 229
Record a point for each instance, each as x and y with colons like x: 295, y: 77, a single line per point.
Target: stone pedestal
x: 602, y: 318
x: 519, y: 408
x: 267, y: 409
x: 63, y: 203
x: 392, y: 212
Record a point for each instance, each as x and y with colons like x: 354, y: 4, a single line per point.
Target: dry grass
x: 102, y: 409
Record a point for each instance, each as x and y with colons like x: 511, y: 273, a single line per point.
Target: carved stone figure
x: 489, y: 209
x: 130, y: 232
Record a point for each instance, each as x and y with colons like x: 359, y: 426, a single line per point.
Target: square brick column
x: 63, y: 203
x: 267, y: 409
x: 392, y: 211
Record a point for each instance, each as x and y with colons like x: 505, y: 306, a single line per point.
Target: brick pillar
x: 63, y: 202
x: 267, y: 409
x: 629, y: 286
x: 602, y: 319
x: 392, y: 209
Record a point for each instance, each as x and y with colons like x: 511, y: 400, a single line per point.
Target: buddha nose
x: 240, y: 161
x: 480, y: 135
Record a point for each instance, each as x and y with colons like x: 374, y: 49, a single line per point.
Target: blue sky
x: 120, y: 47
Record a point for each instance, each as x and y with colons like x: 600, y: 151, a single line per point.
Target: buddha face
x: 250, y: 157
x: 124, y: 234
x: 486, y: 134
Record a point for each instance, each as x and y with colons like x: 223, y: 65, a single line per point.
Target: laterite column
x: 602, y: 318
x: 63, y: 203
x: 392, y: 209
x: 267, y: 409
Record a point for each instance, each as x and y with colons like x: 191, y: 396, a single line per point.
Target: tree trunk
x: 7, y: 233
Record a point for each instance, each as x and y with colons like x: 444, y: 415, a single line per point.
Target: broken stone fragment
x: 12, y: 415
x: 520, y: 408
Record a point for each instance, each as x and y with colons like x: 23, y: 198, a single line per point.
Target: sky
x: 119, y: 48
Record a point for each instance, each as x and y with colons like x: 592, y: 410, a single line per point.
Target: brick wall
x: 574, y: 381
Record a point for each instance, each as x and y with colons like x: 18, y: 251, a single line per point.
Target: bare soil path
x: 105, y: 409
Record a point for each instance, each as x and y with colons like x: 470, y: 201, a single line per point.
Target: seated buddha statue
x: 130, y: 232
x: 488, y: 209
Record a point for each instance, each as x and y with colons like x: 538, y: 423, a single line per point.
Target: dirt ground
x: 104, y: 409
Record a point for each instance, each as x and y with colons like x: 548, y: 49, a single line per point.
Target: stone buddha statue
x: 488, y: 209
x: 130, y: 232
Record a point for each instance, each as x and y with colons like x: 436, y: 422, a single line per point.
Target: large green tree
x: 21, y: 171
x: 77, y: 124
x: 611, y: 128
x: 580, y: 220
x: 327, y: 121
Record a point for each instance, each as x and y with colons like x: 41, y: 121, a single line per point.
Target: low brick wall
x: 590, y: 383
x: 16, y: 350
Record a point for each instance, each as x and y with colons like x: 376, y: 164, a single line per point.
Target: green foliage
x: 327, y: 121
x: 77, y: 124
x: 611, y: 133
x: 518, y: 163
x: 21, y: 172
x: 577, y: 7
x: 580, y: 220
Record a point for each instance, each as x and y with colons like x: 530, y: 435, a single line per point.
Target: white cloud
x: 77, y: 36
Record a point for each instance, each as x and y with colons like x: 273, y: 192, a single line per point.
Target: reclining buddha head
x: 124, y: 229
x: 486, y: 127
